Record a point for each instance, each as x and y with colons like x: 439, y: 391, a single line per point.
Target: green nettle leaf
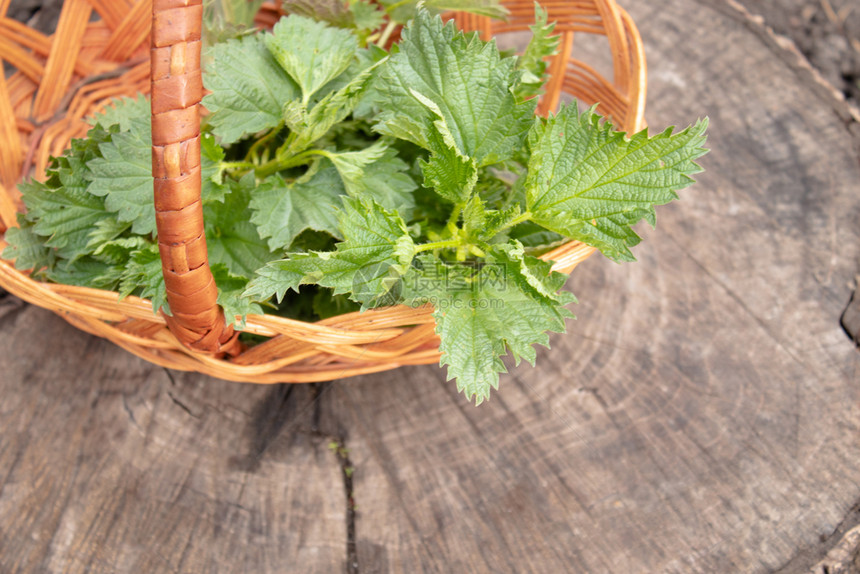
x: 376, y: 252
x: 452, y: 175
x: 485, y: 310
x: 277, y: 277
x: 63, y: 211
x: 230, y: 288
x: 118, y: 251
x: 360, y: 14
x: 86, y: 272
x: 308, y: 127
x: 466, y: 79
x: 532, y: 64
x: 143, y: 277
x: 366, y: 15
x: 351, y: 165
x: 123, y: 175
x: 231, y: 238
x: 282, y: 211
x: 590, y: 183
x: 248, y: 88
x: 497, y: 220
x: 474, y: 214
x: 489, y: 8
x: 387, y: 182
x: 311, y: 52
x: 127, y: 113
x: 105, y: 231
x: 211, y: 156
x: 449, y: 172
x: 26, y: 247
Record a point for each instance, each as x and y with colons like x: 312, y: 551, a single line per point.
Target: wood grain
x: 108, y: 464
x: 702, y: 414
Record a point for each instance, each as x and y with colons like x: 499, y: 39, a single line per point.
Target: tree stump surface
x: 701, y: 415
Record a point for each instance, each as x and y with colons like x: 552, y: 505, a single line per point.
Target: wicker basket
x: 61, y: 79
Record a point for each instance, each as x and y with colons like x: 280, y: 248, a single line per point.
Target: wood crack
x: 338, y: 446
x: 850, y: 319
x: 130, y: 414
x: 176, y: 399
x: 817, y: 559
x: 283, y: 410
x: 182, y: 405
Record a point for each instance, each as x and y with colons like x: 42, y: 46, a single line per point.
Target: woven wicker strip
x: 60, y: 80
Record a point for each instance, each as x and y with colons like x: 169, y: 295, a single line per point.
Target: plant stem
x: 448, y: 243
x: 475, y: 250
x: 225, y: 165
x: 464, y: 247
x: 263, y: 141
x: 455, y: 217
x: 286, y: 145
x: 278, y: 164
x: 268, y: 168
x: 523, y: 217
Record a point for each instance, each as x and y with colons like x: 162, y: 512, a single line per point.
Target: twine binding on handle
x: 88, y: 62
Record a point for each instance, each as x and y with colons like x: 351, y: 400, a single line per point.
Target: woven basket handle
x: 177, y: 88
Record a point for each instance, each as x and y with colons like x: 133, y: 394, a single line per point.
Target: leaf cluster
x: 341, y: 175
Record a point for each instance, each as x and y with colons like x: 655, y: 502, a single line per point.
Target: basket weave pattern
x: 59, y: 80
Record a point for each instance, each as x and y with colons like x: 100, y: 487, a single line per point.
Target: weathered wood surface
x: 702, y: 414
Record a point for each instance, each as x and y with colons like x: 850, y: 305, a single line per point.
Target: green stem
x: 225, y: 165
x: 302, y: 158
x: 286, y: 145
x: 446, y: 244
x: 475, y: 250
x: 263, y: 141
x: 522, y: 218
x: 268, y: 168
x: 455, y: 217
x: 277, y: 164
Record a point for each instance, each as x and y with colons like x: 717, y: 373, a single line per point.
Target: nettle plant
x: 338, y: 175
